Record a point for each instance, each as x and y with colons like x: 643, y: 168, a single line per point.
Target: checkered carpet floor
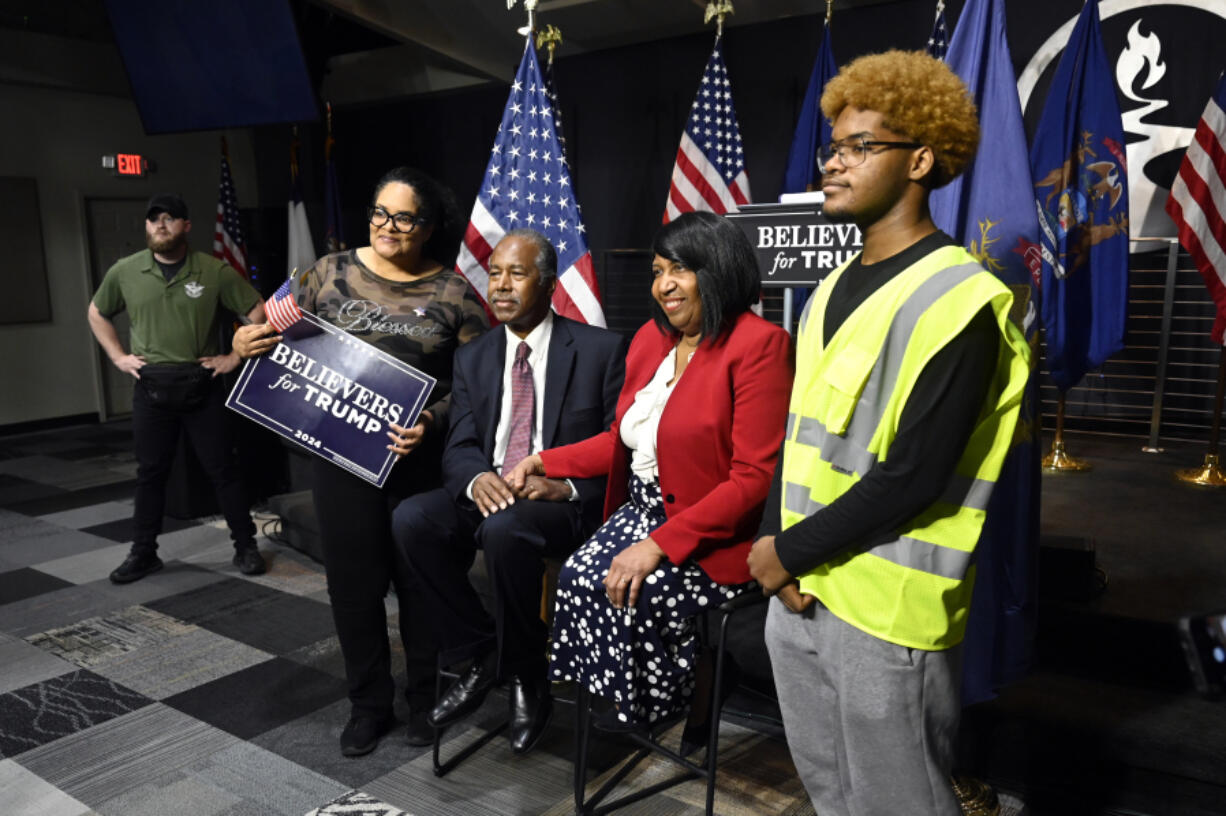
x: 198, y: 690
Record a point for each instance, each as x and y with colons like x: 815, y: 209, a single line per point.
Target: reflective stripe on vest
x: 849, y: 453
x: 903, y: 551
x: 913, y: 589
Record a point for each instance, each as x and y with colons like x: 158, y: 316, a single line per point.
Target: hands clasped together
x: 526, y: 480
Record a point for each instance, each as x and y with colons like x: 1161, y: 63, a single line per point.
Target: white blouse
x: 642, y: 420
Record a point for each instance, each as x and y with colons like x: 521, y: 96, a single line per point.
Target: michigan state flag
x: 989, y: 209
x: 1081, y: 186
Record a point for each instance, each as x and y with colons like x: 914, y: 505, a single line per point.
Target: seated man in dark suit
x: 539, y: 381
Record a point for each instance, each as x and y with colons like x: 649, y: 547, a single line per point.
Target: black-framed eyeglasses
x: 852, y: 152
x: 401, y: 221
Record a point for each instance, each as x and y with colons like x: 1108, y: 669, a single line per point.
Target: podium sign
x: 333, y: 394
x: 796, y: 245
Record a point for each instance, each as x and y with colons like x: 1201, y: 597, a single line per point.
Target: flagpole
x: 1058, y: 461
x: 1210, y: 473
x: 530, y: 5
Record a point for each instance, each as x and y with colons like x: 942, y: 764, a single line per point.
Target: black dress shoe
x: 530, y: 706
x: 465, y: 695
x: 419, y: 732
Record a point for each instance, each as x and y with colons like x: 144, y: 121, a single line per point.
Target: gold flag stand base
x: 977, y: 798
x: 1058, y: 461
x: 1208, y: 475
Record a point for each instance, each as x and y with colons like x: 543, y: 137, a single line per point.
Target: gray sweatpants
x: 871, y: 725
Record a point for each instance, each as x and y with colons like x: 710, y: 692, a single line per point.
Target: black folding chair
x: 648, y: 742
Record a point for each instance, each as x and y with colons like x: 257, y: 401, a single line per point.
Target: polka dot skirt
x: 640, y: 658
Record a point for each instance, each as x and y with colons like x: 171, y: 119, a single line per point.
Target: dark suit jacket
x: 583, y: 375
x: 717, y: 443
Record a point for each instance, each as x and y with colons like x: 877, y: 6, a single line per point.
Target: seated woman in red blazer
x: 689, y: 460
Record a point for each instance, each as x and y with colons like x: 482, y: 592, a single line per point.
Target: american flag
x: 709, y: 173
x: 282, y: 309
x: 552, y: 92
x: 1197, y: 203
x: 527, y: 184
x: 938, y: 42
x: 228, y: 235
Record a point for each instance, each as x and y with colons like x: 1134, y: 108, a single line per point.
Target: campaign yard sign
x: 332, y: 394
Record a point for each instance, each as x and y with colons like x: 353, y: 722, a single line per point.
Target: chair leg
x: 583, y: 722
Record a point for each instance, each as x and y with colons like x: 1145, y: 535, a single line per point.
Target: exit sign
x: 132, y: 165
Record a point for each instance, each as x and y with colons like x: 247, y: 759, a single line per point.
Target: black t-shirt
x: 170, y: 270
x: 933, y: 430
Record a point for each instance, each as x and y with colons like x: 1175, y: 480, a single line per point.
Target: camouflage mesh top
x: 419, y: 322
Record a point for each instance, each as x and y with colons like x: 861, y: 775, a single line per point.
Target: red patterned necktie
x: 523, y: 409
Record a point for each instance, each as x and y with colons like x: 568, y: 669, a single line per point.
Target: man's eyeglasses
x: 401, y: 221
x: 158, y: 219
x: 852, y: 152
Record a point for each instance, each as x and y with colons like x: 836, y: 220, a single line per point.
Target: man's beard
x: 163, y: 246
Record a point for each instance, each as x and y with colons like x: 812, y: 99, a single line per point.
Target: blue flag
x: 990, y: 210
x: 812, y: 131
x: 1080, y: 181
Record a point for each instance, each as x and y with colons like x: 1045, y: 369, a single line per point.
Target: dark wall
x: 622, y: 113
x: 623, y: 110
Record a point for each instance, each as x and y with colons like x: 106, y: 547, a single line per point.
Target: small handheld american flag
x: 282, y: 309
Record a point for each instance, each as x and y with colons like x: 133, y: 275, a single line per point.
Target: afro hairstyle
x: 919, y: 97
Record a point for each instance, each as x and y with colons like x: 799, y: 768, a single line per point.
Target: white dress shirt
x: 538, y: 341
x: 641, y: 422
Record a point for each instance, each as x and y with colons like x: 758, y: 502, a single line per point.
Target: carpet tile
x: 15, y: 491
x: 90, y: 515
x: 203, y: 692
x: 110, y: 759
x: 121, y: 529
x: 19, y: 584
x: 24, y: 665
x: 29, y: 795
x: 260, y: 697
x: 44, y: 712
x: 93, y: 641
x: 174, y: 578
x: 265, y: 618
x: 66, y: 475
x: 37, y: 542
x: 52, y: 610
x: 60, y: 500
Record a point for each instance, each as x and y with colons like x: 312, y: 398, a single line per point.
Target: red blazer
x: 717, y: 443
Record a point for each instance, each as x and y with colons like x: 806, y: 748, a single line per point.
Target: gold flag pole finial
x: 718, y: 10
x: 550, y: 38
x: 829, y: 11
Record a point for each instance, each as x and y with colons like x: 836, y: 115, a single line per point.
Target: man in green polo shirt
x: 172, y: 297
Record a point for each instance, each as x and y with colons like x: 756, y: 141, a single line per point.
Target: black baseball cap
x: 167, y: 203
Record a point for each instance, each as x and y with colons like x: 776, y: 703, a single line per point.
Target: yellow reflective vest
x: 915, y: 589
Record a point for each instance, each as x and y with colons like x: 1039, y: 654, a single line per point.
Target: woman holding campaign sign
x: 689, y: 459
x: 401, y: 295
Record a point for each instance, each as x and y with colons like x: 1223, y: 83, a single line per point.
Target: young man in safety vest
x: 909, y: 376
